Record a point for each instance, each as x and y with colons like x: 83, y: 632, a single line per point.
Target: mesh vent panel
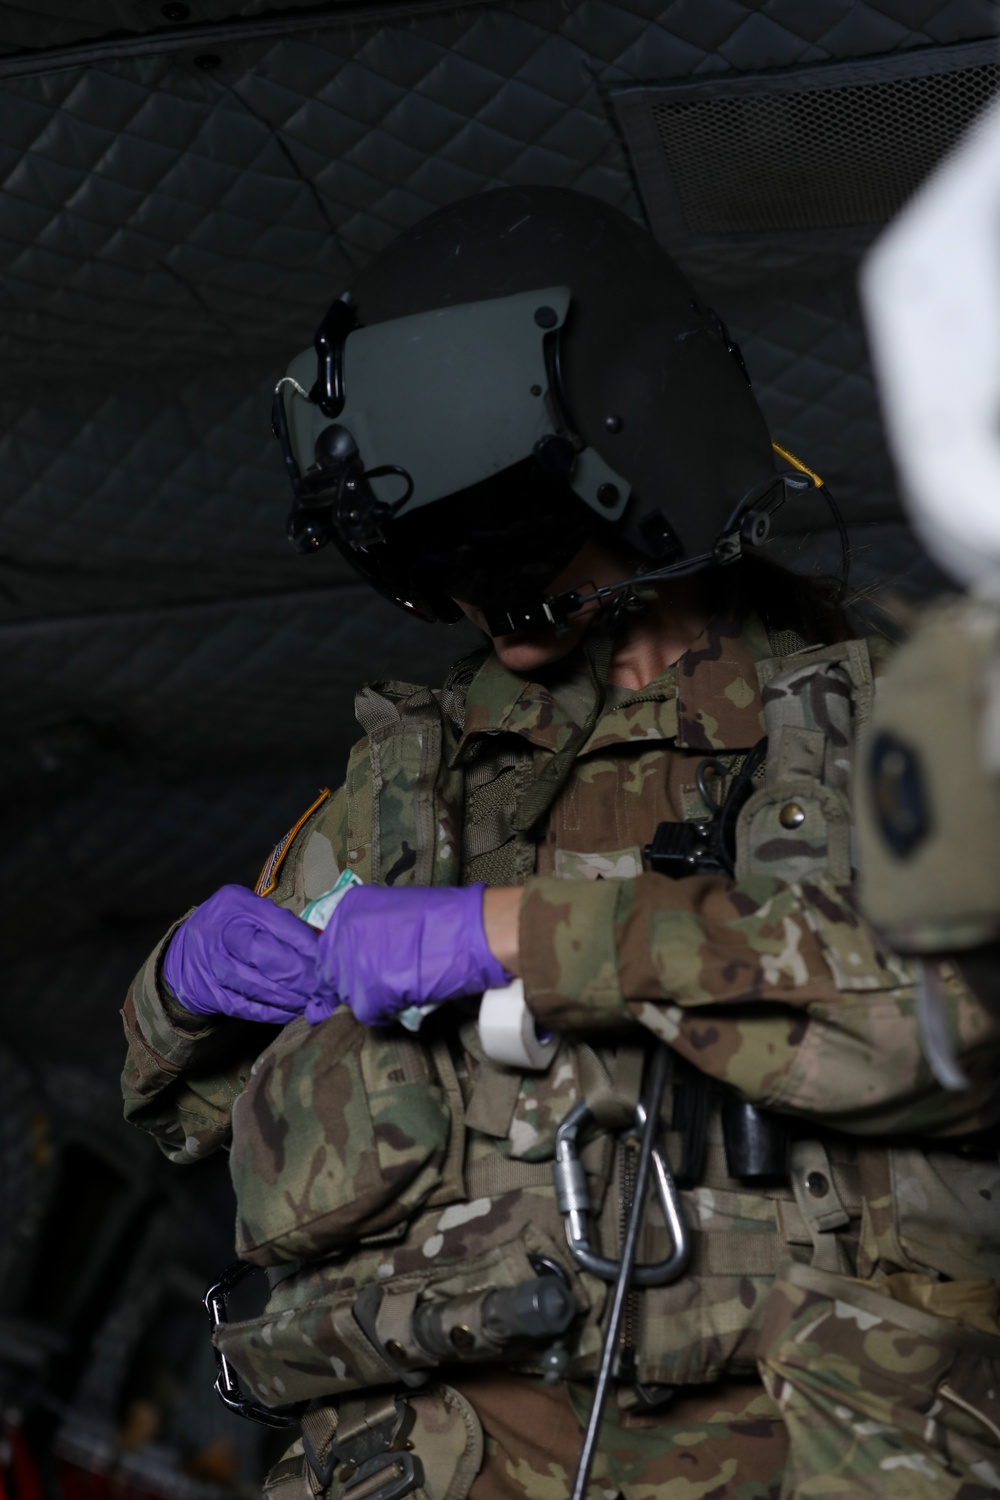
x: 824, y: 158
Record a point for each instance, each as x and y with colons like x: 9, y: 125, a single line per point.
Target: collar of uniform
x: 499, y: 701
x: 709, y: 700
x: 650, y: 713
x: 718, y: 696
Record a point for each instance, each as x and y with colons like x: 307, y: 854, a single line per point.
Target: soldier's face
x: 525, y: 651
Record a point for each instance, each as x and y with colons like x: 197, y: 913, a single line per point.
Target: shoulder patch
x: 267, y: 880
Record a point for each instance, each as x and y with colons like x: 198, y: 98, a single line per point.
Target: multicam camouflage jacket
x: 382, y: 1170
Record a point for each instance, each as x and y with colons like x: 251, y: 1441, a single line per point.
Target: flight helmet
x: 520, y: 370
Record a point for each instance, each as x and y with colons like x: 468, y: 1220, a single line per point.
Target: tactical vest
x: 376, y: 1171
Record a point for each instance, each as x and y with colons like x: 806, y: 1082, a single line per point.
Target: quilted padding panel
x: 141, y: 492
x: 233, y: 679
x: 155, y: 210
x: 58, y: 23
x: 806, y: 353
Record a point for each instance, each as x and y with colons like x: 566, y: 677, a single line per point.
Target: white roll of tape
x: 508, y: 1031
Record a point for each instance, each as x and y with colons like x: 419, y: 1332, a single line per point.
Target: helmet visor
x: 432, y: 405
x: 500, y: 542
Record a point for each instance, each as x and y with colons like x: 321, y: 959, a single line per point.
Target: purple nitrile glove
x: 240, y: 955
x: 386, y: 949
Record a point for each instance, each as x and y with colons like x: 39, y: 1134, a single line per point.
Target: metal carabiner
x: 573, y: 1201
x: 227, y: 1386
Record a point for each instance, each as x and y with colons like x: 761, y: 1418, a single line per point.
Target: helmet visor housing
x: 524, y: 322
x: 435, y: 405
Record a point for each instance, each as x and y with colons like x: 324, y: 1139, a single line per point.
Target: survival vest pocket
x: 326, y: 1331
x: 869, y: 1387
x: 341, y: 1132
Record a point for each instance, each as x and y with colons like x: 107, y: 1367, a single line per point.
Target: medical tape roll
x: 508, y: 1031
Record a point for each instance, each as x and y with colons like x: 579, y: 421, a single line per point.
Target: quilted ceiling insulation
x: 185, y: 187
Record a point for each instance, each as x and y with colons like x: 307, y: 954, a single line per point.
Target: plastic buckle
x: 227, y: 1386
x: 403, y: 1474
x: 367, y: 1454
x: 680, y: 849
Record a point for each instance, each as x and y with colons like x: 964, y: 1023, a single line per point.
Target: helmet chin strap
x: 749, y: 526
x: 558, y: 609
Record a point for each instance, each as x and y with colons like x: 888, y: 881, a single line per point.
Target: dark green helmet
x: 519, y: 370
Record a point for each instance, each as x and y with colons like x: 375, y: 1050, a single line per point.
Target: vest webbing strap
x: 733, y: 1254
x: 493, y: 1175
x: 452, y: 1169
x: 491, y: 850
x: 611, y: 1088
x: 545, y: 788
x: 487, y: 766
x: 494, y: 1098
x: 488, y: 834
x: 725, y: 1253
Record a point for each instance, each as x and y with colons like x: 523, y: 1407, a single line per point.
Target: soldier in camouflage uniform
x: 836, y: 1329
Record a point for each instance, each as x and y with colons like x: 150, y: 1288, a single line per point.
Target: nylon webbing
x: 786, y: 642
x: 452, y: 1182
x: 735, y: 1254
x: 612, y: 1093
x: 487, y: 835
x: 546, y: 787
x: 494, y: 1099
x: 374, y: 711
x: 319, y: 1424
x: 494, y: 1175
x: 488, y: 765
x: 491, y: 851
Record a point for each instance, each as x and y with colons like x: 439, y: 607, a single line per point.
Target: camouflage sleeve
x: 182, y: 1072
x: 781, y: 990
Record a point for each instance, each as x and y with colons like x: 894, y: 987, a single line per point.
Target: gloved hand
x: 386, y: 949
x: 240, y: 955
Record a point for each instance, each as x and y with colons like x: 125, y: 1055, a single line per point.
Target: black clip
x: 707, y: 847
x: 687, y: 849
x: 331, y: 336
x: 227, y: 1386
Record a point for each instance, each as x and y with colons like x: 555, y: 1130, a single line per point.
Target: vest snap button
x: 817, y: 1184
x: 792, y: 815
x: 462, y: 1336
x: 395, y: 1351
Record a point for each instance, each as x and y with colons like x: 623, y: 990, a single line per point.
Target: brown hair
x: 813, y: 607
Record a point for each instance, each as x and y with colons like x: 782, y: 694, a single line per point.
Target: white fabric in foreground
x: 931, y: 298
